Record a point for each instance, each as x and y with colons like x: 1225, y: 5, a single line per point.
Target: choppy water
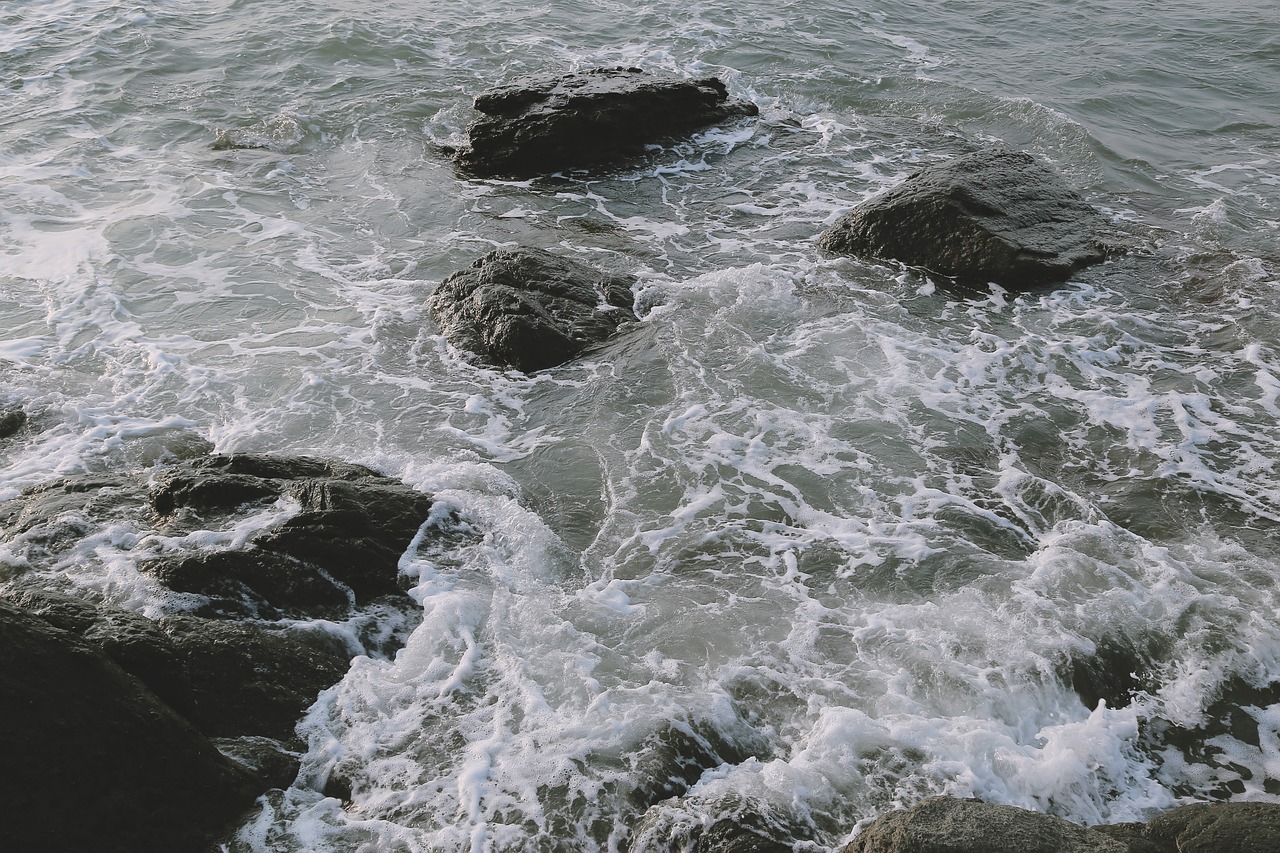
x: 843, y: 537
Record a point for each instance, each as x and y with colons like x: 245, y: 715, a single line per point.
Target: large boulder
x: 947, y: 825
x: 93, y: 760
x: 542, y: 124
x: 530, y: 309
x: 993, y: 215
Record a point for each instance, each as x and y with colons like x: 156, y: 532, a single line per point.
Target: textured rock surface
x: 543, y: 124
x: 946, y: 825
x: 530, y: 309
x: 1218, y: 828
x: 93, y: 760
x: 12, y: 419
x: 993, y: 215
x: 246, y: 681
x: 342, y: 547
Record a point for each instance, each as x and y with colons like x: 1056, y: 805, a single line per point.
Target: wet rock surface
x: 13, y: 418
x: 93, y: 760
x: 994, y: 215
x: 542, y: 124
x: 530, y: 309
x: 947, y: 825
x: 246, y: 681
x: 341, y: 548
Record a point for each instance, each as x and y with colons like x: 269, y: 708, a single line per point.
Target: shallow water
x: 818, y: 538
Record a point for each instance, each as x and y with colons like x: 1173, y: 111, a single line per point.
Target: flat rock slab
x: 530, y: 309
x: 544, y: 124
x: 994, y: 215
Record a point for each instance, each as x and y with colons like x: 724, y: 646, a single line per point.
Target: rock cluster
x: 543, y: 124
x: 161, y: 731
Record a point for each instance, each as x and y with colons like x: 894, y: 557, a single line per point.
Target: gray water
x: 839, y: 536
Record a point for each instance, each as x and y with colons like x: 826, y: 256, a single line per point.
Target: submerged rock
x: 12, y: 419
x: 947, y: 825
x: 93, y: 760
x: 994, y: 215
x: 530, y: 309
x: 543, y: 124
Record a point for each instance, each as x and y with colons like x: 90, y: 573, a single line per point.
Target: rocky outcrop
x: 340, y: 549
x: 93, y: 760
x: 530, y: 309
x: 230, y: 680
x: 543, y: 124
x: 12, y: 419
x: 994, y: 215
x: 352, y: 527
x: 947, y: 825
x: 246, y: 681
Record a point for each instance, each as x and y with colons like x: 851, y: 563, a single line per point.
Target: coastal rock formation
x: 352, y: 527
x: 339, y: 549
x: 93, y: 760
x: 228, y: 679
x: 530, y: 309
x: 947, y: 825
x: 994, y: 215
x: 542, y: 124
x: 12, y: 419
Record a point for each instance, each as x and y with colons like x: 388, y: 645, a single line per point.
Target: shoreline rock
x: 542, y: 124
x: 994, y: 215
x: 529, y: 309
x: 951, y: 825
x: 94, y: 760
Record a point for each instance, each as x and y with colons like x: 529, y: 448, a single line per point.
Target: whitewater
x: 816, y: 539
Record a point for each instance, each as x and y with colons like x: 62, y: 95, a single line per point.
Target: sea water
x: 820, y: 536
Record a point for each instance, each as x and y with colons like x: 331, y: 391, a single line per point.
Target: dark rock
x: 353, y: 526
x: 737, y: 826
x: 247, y: 681
x: 1218, y: 828
x: 252, y: 583
x: 12, y: 420
x: 268, y: 760
x: 342, y: 547
x: 93, y: 760
x: 133, y: 641
x: 63, y: 506
x: 739, y: 836
x: 1133, y: 835
x: 947, y: 825
x: 993, y: 215
x: 530, y: 309
x: 543, y: 124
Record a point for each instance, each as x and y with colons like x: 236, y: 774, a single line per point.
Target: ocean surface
x: 818, y: 538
